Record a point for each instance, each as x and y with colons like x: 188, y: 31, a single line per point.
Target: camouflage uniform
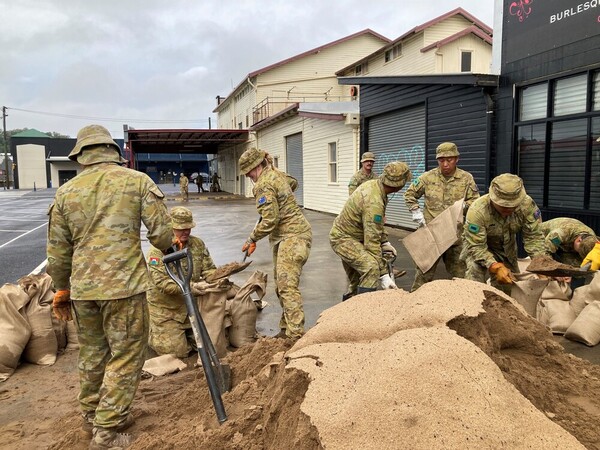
x: 560, y: 235
x: 183, y: 187
x: 290, y: 236
x: 358, y: 231
x: 440, y: 193
x: 94, y: 248
x: 170, y: 328
x: 488, y: 237
x: 359, y: 178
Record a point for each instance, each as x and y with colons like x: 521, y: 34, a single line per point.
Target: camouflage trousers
x: 113, y: 336
x: 361, y: 267
x: 476, y: 272
x: 170, y: 332
x: 184, y: 193
x: 455, y: 266
x: 289, y: 256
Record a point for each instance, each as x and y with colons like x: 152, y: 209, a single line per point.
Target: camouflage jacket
x: 363, y: 218
x: 164, y: 292
x: 183, y: 182
x: 359, y: 178
x: 94, y: 245
x: 441, y: 192
x: 281, y: 216
x: 560, y: 233
x: 490, y: 238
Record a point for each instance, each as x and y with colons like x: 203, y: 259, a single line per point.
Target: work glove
x: 386, y: 282
x: 177, y: 243
x: 199, y: 287
x: 61, y: 305
x: 249, y: 246
x: 593, y: 258
x: 502, y: 273
x: 387, y: 247
x: 417, y: 217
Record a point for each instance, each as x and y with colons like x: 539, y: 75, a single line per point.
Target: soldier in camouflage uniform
x: 96, y: 262
x: 184, y: 184
x: 568, y: 240
x: 170, y: 328
x: 358, y: 235
x: 365, y: 173
x: 441, y: 187
x: 289, y: 233
x: 490, y: 230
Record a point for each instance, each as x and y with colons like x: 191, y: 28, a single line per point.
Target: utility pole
x: 7, y: 182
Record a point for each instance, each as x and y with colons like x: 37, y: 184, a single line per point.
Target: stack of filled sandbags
x: 586, y: 307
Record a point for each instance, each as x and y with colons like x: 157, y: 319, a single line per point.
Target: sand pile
x: 456, y: 364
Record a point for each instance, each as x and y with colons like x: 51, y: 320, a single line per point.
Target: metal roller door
x: 293, y: 157
x: 399, y: 136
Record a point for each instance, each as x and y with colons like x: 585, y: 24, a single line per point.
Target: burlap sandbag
x: 212, y: 310
x: 557, y: 290
x: 584, y: 295
x: 586, y: 327
x: 72, y: 338
x: 555, y: 314
x: 43, y: 345
x: 527, y: 293
x: 14, y: 329
x: 244, y: 312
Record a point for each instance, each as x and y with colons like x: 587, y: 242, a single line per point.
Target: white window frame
x: 332, y: 166
x: 462, y: 52
x: 393, y: 53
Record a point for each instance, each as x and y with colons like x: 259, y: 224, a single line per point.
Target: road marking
x: 12, y: 219
x: 39, y: 268
x: 13, y: 231
x: 24, y: 234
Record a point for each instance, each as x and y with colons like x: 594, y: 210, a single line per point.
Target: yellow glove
x: 61, y: 305
x: 593, y: 257
x: 502, y: 273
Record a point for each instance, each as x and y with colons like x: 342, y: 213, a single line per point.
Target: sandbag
x: 212, y: 310
x: 586, y: 327
x: 555, y: 314
x: 42, y: 345
x: 244, y: 312
x: 14, y: 329
x: 557, y: 290
x: 72, y: 338
x: 60, y: 331
x: 584, y: 295
x: 527, y: 293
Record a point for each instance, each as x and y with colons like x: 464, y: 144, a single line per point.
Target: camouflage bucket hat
x: 507, y: 190
x: 395, y: 174
x: 182, y: 218
x: 250, y: 159
x: 367, y: 156
x: 446, y: 150
x: 93, y: 135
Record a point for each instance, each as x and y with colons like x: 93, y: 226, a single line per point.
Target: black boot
x: 347, y: 296
x: 362, y: 290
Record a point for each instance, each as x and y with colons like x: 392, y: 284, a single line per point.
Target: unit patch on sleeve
x: 473, y: 228
x: 556, y: 241
x: 262, y: 200
x: 537, y: 214
x: 154, y: 261
x: 377, y: 218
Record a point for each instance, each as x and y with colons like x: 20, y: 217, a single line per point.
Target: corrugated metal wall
x: 293, y: 156
x: 399, y: 136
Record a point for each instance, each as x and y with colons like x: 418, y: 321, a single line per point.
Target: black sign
x: 531, y: 27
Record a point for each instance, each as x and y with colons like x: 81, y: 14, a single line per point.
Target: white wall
x: 55, y: 166
x: 31, y: 166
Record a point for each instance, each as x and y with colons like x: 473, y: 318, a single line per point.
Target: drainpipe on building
x: 7, y: 181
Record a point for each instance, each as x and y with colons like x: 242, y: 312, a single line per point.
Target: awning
x: 182, y: 141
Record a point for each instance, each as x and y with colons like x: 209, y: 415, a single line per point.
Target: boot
x: 362, y: 290
x: 347, y: 296
x: 106, y: 438
x: 87, y: 429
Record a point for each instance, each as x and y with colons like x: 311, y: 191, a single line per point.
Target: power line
x: 109, y: 119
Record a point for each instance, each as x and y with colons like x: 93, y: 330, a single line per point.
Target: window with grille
x: 393, y: 53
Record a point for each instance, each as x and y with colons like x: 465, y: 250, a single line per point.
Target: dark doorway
x: 65, y: 175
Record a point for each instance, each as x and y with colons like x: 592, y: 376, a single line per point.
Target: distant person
x: 491, y: 227
x: 568, y: 240
x: 183, y: 187
x: 290, y: 235
x: 441, y: 187
x: 215, y: 187
x: 358, y: 234
x: 365, y: 173
x: 200, y: 183
x: 96, y: 262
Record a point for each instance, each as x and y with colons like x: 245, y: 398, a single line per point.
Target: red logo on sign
x: 521, y: 9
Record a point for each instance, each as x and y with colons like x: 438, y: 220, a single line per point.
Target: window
x: 465, y: 61
x: 332, y: 162
x: 558, y: 156
x: 393, y: 53
x: 276, y: 161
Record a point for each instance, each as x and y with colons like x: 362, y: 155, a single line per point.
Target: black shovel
x: 218, y: 376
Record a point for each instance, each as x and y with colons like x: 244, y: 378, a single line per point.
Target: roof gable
x: 471, y: 30
x: 31, y: 133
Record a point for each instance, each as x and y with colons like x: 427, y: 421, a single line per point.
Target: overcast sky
x: 160, y: 64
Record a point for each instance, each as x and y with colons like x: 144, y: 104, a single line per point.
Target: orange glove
x: 502, y: 273
x: 61, y: 305
x: 177, y: 243
x: 249, y: 247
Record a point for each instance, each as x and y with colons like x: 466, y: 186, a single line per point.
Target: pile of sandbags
x: 29, y: 331
x: 574, y: 314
